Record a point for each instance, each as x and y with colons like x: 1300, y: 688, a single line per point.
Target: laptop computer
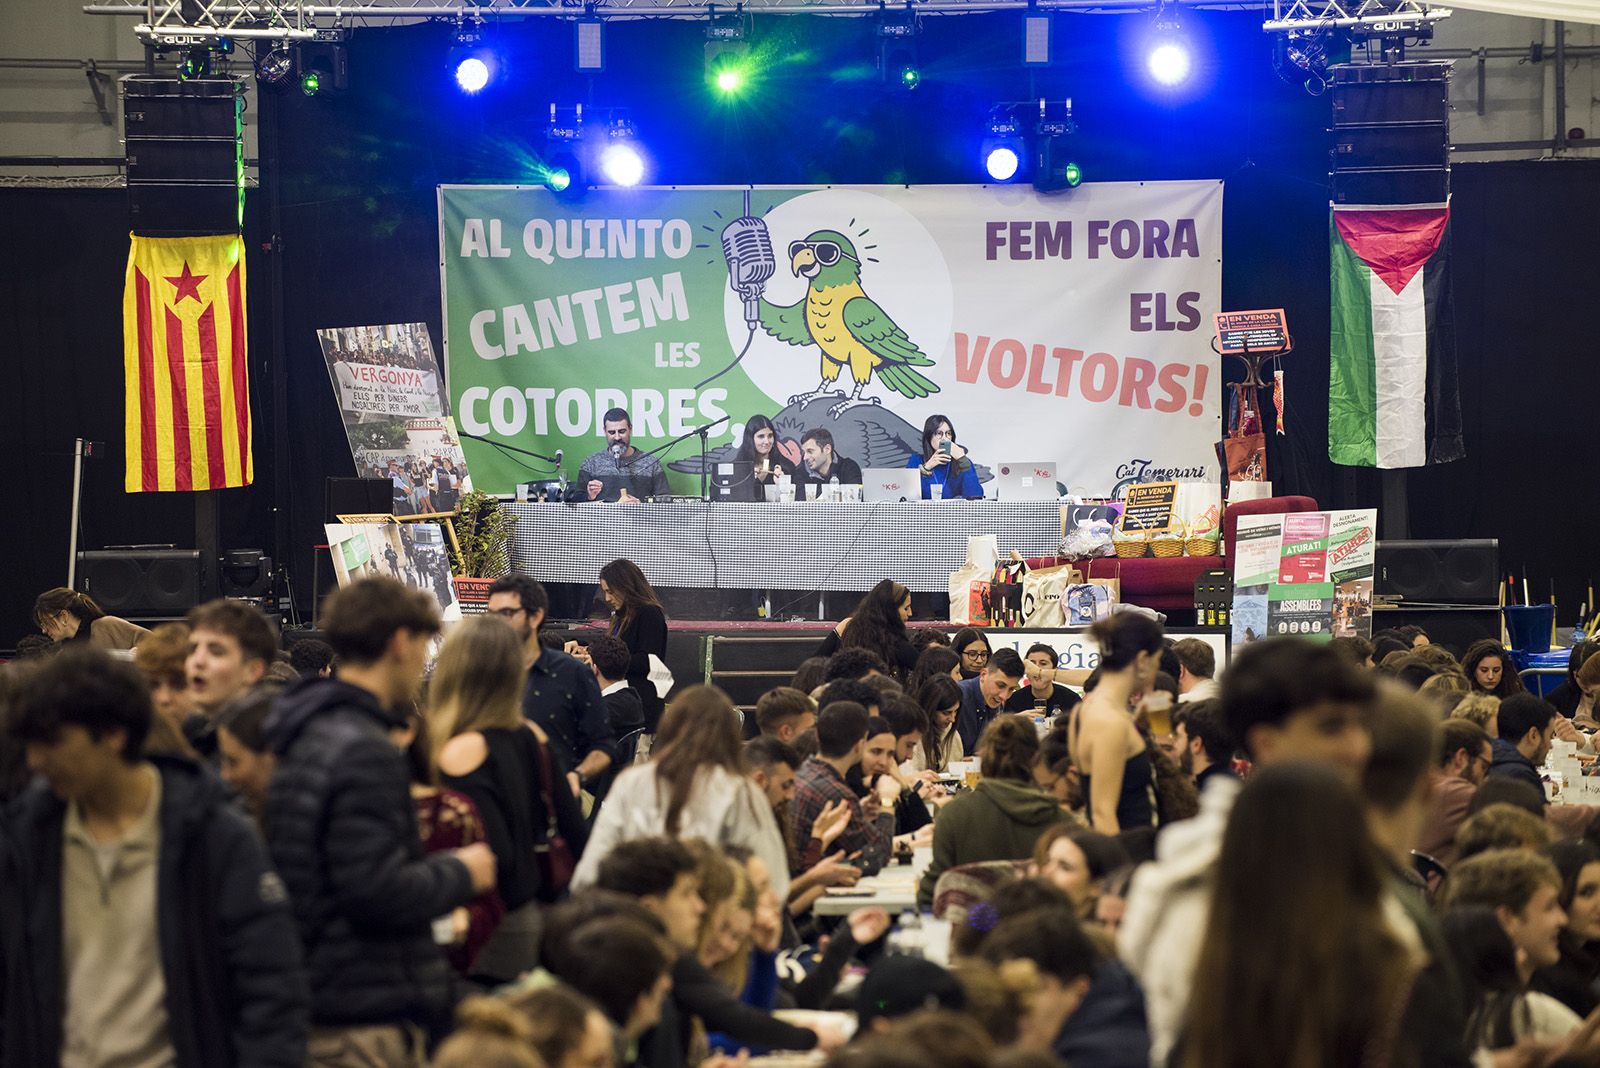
x: 890, y: 484
x: 1031, y: 481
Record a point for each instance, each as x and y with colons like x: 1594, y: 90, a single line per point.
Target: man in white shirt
x: 1197, y: 664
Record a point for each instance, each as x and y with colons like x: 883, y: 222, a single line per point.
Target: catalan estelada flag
x: 188, y: 385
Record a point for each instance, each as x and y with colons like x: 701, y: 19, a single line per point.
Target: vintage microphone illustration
x: 747, y: 246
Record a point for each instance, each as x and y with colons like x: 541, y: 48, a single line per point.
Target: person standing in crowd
x: 1465, y: 753
x: 693, y: 787
x: 1297, y: 833
x: 503, y: 763
x: 946, y: 469
x: 562, y: 696
x: 311, y: 656
x: 878, y: 625
x: 821, y: 465
x: 66, y: 615
x: 245, y: 762
x: 1111, y: 754
x: 638, y: 620
x: 343, y: 833
x: 619, y: 472
x: 984, y: 696
x: 760, y: 450
x: 1282, y: 699
x: 821, y: 782
x: 1197, y: 664
x: 1003, y: 816
x: 1201, y: 742
x: 972, y: 645
x: 1489, y: 667
x: 231, y: 645
x: 1527, y: 724
x: 1043, y: 696
x: 161, y: 658
x: 940, y: 698
x: 446, y: 821
x: 141, y: 922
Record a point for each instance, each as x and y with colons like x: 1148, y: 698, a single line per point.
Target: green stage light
x: 730, y: 80
x: 310, y: 83
x: 557, y: 179
x: 910, y: 77
x: 1074, y: 174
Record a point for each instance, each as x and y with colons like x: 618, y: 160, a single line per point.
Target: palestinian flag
x: 1392, y: 398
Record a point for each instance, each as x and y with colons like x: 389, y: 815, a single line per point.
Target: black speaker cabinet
x: 1390, y: 133
x: 141, y: 583
x: 1439, y: 572
x: 358, y: 496
x: 185, y: 153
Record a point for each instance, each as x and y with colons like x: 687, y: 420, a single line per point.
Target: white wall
x: 52, y: 112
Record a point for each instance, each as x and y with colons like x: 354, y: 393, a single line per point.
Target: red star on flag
x: 188, y: 284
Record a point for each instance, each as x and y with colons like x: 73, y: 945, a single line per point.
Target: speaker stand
x: 77, y: 509
x: 1394, y: 517
x: 208, y: 544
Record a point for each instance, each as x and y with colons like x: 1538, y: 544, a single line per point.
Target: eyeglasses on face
x: 975, y: 654
x: 827, y: 253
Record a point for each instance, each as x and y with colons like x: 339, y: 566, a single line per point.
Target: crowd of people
x: 215, y: 853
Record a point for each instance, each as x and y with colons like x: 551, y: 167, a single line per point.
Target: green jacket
x: 1000, y: 819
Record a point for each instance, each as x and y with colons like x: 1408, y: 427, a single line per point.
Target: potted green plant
x: 483, y: 534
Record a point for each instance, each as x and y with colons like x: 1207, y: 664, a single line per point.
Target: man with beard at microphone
x: 619, y: 472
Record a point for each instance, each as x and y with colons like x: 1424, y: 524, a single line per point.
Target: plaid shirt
x: 818, y: 785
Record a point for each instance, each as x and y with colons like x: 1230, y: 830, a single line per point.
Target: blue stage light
x: 472, y: 74
x: 1169, y: 62
x: 622, y: 164
x: 1002, y: 163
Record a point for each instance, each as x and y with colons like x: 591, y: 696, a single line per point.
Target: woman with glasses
x: 946, y: 469
x: 973, y: 649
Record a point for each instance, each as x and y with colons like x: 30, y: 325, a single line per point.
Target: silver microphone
x: 616, y: 451
x: 559, y: 457
x: 747, y: 247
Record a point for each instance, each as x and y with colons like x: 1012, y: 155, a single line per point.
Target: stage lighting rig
x: 1316, y: 28
x: 472, y: 63
x: 897, y: 49
x: 275, y: 69
x: 1004, y: 147
x: 564, y: 169
x: 1053, y: 167
x: 621, y: 160
x: 727, y: 54
x: 1168, y: 59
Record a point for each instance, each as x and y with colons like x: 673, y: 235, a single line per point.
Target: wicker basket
x: 1202, y: 546
x: 1130, y: 548
x: 1166, y: 547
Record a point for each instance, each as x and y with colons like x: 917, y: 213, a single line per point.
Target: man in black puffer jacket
x: 140, y: 920
x: 343, y: 834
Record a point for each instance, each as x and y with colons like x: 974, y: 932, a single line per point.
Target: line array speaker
x: 1390, y: 133
x: 184, y: 141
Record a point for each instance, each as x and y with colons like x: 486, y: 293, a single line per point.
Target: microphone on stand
x: 616, y: 451
x: 747, y: 247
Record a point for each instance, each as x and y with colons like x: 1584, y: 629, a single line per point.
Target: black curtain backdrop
x: 359, y: 245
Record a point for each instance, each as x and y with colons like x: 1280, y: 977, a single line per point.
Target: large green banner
x: 1068, y: 328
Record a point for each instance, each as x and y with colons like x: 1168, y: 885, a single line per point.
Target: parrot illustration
x: 839, y: 318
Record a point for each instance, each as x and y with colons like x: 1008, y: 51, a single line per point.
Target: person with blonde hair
x: 1447, y: 689
x: 505, y: 765
x: 693, y: 787
x: 161, y: 658
x: 489, y: 1034
x: 1482, y: 709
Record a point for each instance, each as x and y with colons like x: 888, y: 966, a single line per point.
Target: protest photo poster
x: 1352, y: 555
x: 412, y: 553
x: 386, y: 383
x: 1305, y: 573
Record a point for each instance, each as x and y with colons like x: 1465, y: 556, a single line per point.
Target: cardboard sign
x: 1259, y: 331
x: 1151, y: 507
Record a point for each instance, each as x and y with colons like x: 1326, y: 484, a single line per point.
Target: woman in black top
x: 760, y: 450
x: 638, y: 620
x: 879, y: 624
x: 504, y: 764
x: 1569, y: 695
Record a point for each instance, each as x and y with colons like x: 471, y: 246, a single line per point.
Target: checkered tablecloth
x: 809, y: 546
